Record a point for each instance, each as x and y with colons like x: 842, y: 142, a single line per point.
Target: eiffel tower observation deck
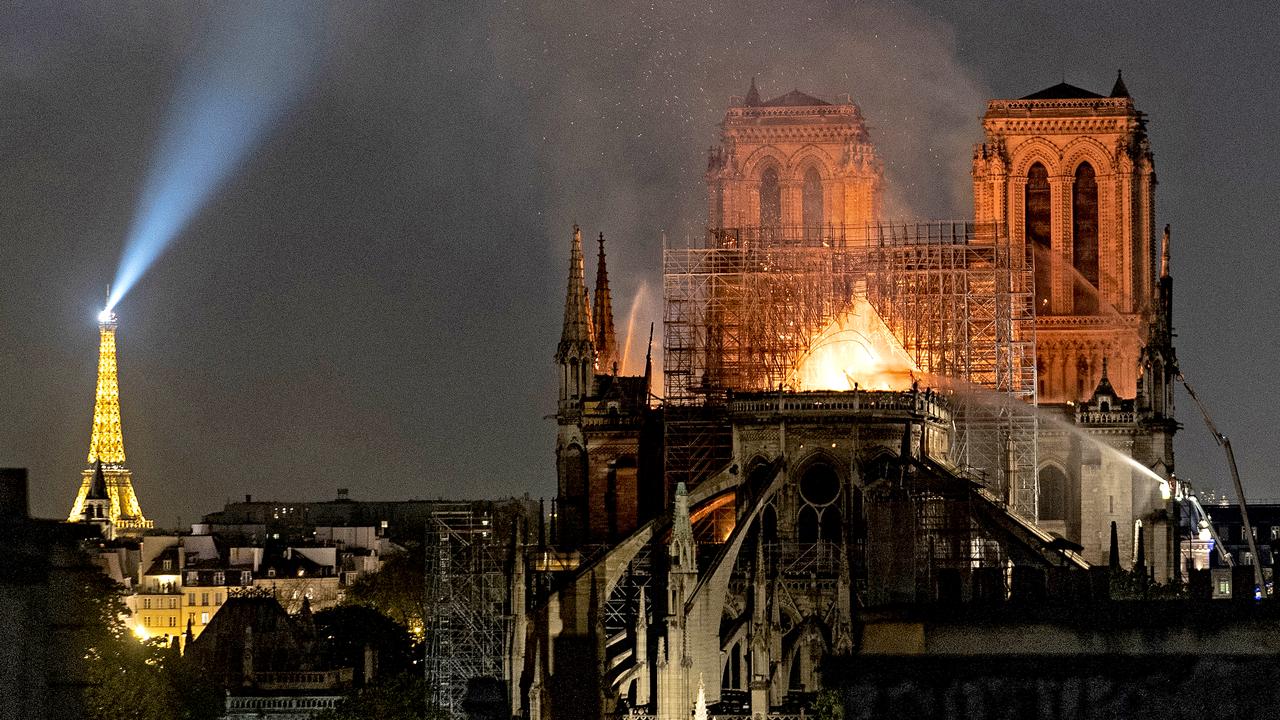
x: 106, y: 444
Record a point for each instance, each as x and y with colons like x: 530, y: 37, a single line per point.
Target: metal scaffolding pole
x: 745, y: 306
x: 467, y: 623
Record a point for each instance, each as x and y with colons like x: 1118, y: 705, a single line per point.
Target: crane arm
x: 1225, y: 443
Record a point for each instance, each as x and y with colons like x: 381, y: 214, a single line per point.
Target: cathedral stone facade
x: 793, y: 161
x: 1069, y: 173
x: 834, y: 509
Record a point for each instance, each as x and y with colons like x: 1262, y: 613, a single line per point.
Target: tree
x: 398, y: 590
x: 127, y: 678
x: 403, y: 697
x: 344, y: 632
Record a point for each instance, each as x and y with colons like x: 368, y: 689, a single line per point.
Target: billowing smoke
x: 626, y: 102
x: 250, y: 64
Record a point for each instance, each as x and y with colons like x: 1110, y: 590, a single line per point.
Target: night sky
x: 373, y: 299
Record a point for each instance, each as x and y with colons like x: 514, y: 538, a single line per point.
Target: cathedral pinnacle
x: 1119, y: 90
x: 753, y: 95
x: 577, y: 331
x: 1164, y: 253
x: 602, y: 316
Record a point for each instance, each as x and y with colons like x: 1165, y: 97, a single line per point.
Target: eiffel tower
x: 106, y: 444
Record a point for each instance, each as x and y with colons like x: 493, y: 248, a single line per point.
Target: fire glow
x: 857, y: 348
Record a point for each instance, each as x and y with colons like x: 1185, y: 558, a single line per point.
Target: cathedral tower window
x: 770, y: 198
x: 1084, y: 240
x: 811, y: 201
x: 1053, y: 487
x: 1038, y: 228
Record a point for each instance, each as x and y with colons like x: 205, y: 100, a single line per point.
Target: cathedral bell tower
x: 576, y: 360
x: 1069, y: 173
x: 794, y: 161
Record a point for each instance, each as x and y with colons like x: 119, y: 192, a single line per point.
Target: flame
x: 856, y: 348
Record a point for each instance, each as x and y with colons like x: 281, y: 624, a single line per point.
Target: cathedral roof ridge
x: 795, y: 98
x: 1062, y: 91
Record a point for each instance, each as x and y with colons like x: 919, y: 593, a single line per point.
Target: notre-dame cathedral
x: 855, y: 414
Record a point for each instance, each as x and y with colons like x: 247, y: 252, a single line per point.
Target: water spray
x: 251, y: 66
x: 640, y: 297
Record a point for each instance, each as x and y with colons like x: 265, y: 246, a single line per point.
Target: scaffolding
x: 744, y: 307
x: 467, y: 621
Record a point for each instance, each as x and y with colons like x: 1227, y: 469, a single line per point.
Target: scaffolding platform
x: 743, y: 306
x: 468, y: 619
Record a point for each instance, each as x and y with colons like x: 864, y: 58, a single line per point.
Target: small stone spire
x: 753, y: 95
x: 97, y: 486
x: 648, y: 365
x: 577, y: 328
x: 602, y: 315
x: 683, y: 547
x: 1119, y: 90
x: 576, y: 352
x: 1164, y: 253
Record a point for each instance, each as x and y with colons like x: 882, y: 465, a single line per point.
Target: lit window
x: 204, y: 618
x: 167, y: 564
x: 193, y: 577
x: 219, y: 578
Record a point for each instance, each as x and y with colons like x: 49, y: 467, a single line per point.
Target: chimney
x: 13, y: 495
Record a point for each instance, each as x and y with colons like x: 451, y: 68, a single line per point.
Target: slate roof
x: 795, y: 98
x: 1062, y: 91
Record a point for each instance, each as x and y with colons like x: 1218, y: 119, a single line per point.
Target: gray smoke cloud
x: 625, y: 103
x: 373, y: 301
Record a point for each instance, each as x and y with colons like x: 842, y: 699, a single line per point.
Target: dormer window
x: 167, y: 564
x: 271, y: 572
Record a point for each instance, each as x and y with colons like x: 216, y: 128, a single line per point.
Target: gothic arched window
x: 1038, y: 233
x: 1084, y: 240
x: 807, y: 525
x: 770, y: 198
x: 1053, y: 489
x: 811, y: 200
x: 575, y: 471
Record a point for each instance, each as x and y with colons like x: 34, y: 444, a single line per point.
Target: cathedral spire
x: 576, y: 352
x: 602, y: 315
x: 577, y: 309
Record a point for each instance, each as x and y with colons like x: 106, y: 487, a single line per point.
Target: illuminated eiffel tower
x: 106, y: 445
